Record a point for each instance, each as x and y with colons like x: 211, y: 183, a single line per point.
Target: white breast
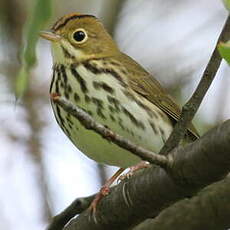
x: 128, y: 118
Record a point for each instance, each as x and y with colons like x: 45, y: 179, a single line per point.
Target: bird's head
x: 78, y: 37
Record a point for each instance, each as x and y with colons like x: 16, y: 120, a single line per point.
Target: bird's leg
x: 104, y: 191
x: 134, y: 168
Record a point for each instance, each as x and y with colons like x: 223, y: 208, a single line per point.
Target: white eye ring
x: 79, y: 36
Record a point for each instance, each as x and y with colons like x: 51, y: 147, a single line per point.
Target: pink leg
x: 54, y: 96
x: 104, y: 191
x: 134, y: 168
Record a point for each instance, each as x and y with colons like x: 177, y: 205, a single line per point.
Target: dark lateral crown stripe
x: 64, y: 20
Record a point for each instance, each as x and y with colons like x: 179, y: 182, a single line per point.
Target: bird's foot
x: 54, y: 96
x: 104, y: 191
x: 133, y: 169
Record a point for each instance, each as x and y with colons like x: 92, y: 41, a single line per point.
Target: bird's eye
x: 80, y: 36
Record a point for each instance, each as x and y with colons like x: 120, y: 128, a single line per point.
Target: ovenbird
x: 91, y: 72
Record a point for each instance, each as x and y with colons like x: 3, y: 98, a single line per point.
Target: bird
x: 90, y: 71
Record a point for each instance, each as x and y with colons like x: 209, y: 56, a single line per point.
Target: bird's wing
x: 143, y: 83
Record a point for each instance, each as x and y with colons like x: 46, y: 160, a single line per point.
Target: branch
x: 190, y: 108
x: 89, y: 123
x: 150, y: 191
x: 76, y: 207
x: 208, y: 210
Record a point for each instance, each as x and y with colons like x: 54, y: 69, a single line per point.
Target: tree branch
x: 76, y: 207
x: 89, y: 123
x: 208, y: 210
x: 190, y: 108
x: 148, y: 192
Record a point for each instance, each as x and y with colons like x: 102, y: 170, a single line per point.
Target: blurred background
x: 41, y: 172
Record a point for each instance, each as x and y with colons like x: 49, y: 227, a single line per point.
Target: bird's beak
x: 51, y: 36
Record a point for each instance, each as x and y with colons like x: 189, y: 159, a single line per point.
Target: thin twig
x: 89, y: 123
x: 191, y: 107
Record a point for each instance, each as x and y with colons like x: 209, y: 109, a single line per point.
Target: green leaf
x: 36, y: 21
x: 224, y: 49
x: 21, y: 81
x: 227, y: 4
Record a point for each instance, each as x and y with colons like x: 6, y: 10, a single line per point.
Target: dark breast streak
x: 114, y: 106
x: 94, y: 69
x: 60, y: 78
x: 78, y: 77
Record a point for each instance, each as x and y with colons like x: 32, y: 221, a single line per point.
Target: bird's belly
x: 135, y: 119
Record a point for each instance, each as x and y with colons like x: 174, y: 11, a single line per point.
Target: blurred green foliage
x: 224, y: 49
x: 37, y: 20
x: 227, y: 4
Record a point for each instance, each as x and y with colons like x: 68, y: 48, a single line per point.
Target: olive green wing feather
x: 143, y: 83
